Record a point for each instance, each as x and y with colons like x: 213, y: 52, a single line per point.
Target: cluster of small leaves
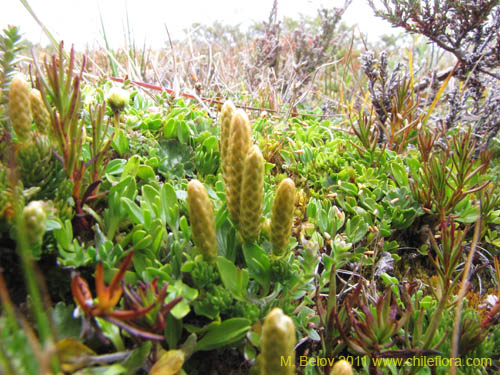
x: 214, y: 299
x: 281, y: 270
x: 204, y: 274
x: 10, y: 45
x: 446, y: 177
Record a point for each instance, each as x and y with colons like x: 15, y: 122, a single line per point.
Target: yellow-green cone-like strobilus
x: 40, y: 113
x: 341, y: 367
x: 34, y: 217
x: 19, y: 107
x: 227, y: 112
x: 282, y: 216
x: 240, y: 140
x: 201, y: 215
x: 277, y: 343
x: 252, y: 195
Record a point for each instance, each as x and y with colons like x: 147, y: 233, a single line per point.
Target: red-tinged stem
x: 134, y: 331
x: 213, y: 101
x: 189, y: 96
x: 130, y: 314
x: 121, y: 272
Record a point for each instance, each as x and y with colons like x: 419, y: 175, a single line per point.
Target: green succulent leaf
x: 356, y: 229
x: 67, y: 325
x: 259, y: 266
x: 466, y: 212
x: 234, y: 279
x: 131, y: 168
x: 120, y: 143
x: 226, y: 333
x: 145, y: 172
x: 133, y: 210
x: 399, y: 172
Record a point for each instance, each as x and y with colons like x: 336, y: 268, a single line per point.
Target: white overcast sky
x: 77, y: 21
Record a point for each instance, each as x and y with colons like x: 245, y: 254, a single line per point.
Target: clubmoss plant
x: 240, y: 141
x: 252, y: 195
x: 34, y: 216
x: 277, y: 342
x: 10, y: 46
x: 228, y: 110
x: 201, y: 213
x: 19, y: 107
x: 38, y: 157
x: 39, y: 111
x: 282, y: 216
x: 6, y: 201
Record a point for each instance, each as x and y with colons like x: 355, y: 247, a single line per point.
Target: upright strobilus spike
x: 240, y: 140
x: 282, y: 216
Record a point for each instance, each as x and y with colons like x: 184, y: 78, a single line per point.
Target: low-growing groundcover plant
x: 151, y: 234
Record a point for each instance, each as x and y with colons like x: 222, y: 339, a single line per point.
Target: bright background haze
x: 78, y: 22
